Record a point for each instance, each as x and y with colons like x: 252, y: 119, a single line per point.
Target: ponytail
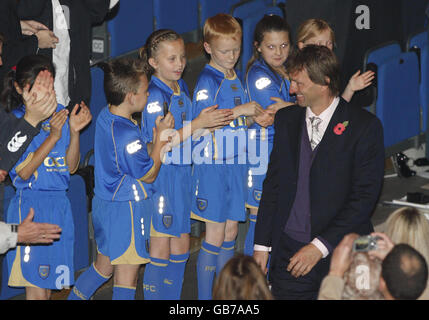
x: 26, y: 72
x: 9, y: 97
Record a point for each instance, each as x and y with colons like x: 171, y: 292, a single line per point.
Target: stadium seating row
x: 401, y: 98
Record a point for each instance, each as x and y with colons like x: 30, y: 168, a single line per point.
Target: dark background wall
x: 389, y: 20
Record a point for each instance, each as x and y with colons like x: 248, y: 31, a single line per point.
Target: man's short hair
x: 122, y: 76
x: 320, y: 63
x: 405, y: 272
x: 220, y: 25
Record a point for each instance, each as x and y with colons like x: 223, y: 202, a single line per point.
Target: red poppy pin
x: 340, y: 128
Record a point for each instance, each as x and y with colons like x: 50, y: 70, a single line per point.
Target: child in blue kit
x: 123, y: 170
x: 164, y: 55
x: 267, y: 83
x: 41, y: 178
x: 220, y: 169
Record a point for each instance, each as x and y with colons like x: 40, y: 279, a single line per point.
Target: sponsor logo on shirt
x: 133, y: 147
x: 153, y: 107
x: 202, y: 95
x: 16, y: 142
x: 262, y: 83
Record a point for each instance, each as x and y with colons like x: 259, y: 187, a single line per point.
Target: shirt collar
x: 326, y: 115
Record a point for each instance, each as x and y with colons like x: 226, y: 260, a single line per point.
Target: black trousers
x: 284, y: 286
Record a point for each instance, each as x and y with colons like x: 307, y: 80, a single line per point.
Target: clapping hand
x: 80, y: 120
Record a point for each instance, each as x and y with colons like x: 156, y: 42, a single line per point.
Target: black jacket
x: 15, y: 136
x: 83, y: 14
x: 16, y: 45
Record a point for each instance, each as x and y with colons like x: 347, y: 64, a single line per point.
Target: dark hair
x: 405, y: 272
x: 26, y: 72
x: 151, y: 46
x: 1, y: 38
x: 122, y: 76
x: 241, y: 279
x: 320, y: 63
x: 268, y: 23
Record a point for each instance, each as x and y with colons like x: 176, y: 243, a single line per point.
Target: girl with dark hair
x: 41, y: 177
x: 267, y: 83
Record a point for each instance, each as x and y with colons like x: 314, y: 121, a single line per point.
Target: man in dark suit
x: 323, y: 180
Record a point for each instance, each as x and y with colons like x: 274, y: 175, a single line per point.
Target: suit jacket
x: 345, y: 178
x: 83, y: 14
x: 16, y: 45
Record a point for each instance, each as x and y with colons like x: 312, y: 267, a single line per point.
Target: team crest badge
x: 46, y: 127
x: 180, y: 102
x: 257, y: 195
x: 202, y: 204
x: 167, y: 220
x: 44, y: 271
x: 234, y: 87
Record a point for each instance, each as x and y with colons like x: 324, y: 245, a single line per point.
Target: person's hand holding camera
x: 384, y: 245
x: 342, y: 256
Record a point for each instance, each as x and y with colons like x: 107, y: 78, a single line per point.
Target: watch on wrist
x: 14, y: 228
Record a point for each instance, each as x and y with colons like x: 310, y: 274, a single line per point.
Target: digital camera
x: 365, y: 243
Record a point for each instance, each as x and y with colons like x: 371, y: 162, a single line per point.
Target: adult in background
x: 323, y: 180
x: 71, y: 21
x: 20, y: 38
x: 404, y: 271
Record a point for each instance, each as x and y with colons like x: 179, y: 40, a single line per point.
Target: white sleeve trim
x: 258, y: 247
x: 8, y: 238
x: 319, y: 245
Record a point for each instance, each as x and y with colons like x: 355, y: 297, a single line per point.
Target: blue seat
x: 98, y: 102
x: 382, y: 52
x: 373, y: 58
x: 209, y: 8
x: 7, y: 292
x: 78, y: 199
x: 179, y: 15
x: 419, y: 44
x: 397, y: 104
x: 249, y: 24
x: 130, y: 28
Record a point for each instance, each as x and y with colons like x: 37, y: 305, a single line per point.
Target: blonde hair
x: 407, y: 225
x: 241, y: 279
x: 351, y: 278
x: 221, y: 25
x: 311, y: 28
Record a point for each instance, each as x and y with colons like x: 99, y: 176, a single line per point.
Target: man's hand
x: 30, y: 27
x: 46, y: 39
x: 342, y: 255
x: 266, y: 118
x: 261, y: 258
x: 304, y: 260
x: 33, y: 232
